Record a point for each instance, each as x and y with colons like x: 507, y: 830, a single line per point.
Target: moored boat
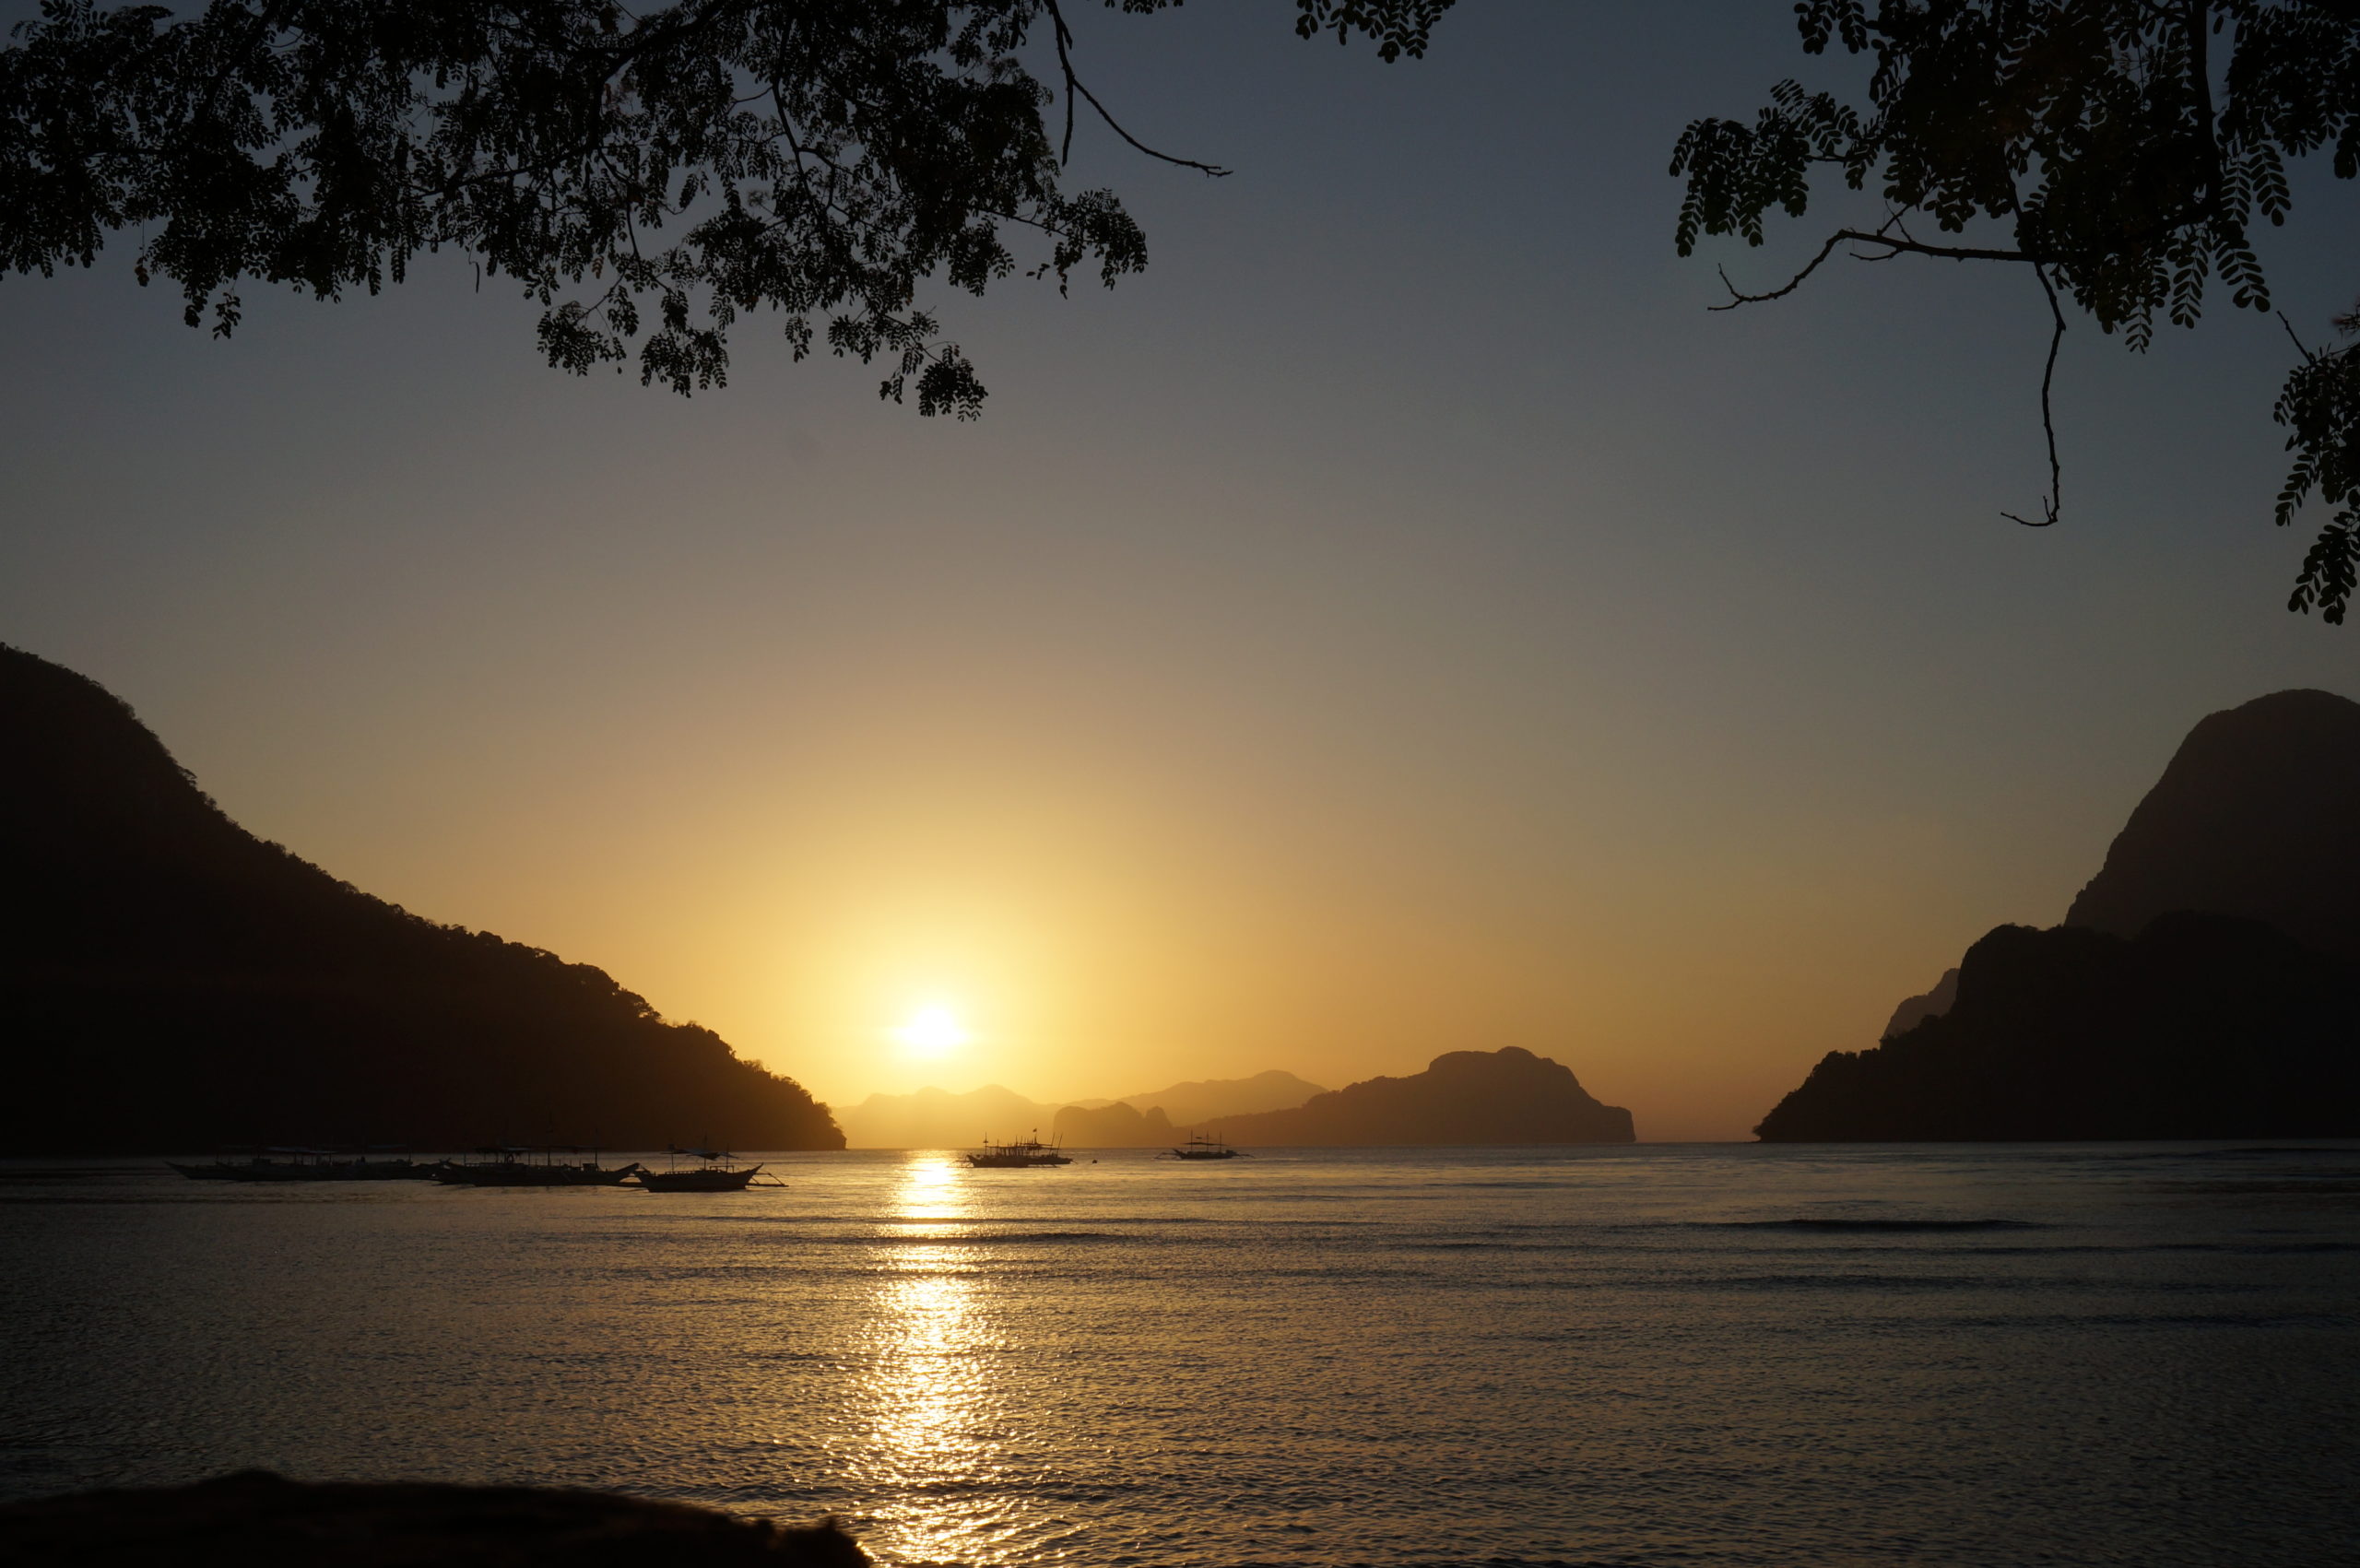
x: 511, y: 1167
x: 1018, y: 1155
x: 297, y: 1164
x: 716, y: 1170
x: 1202, y: 1147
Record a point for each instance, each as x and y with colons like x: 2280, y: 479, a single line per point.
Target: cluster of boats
x: 1031, y: 1151
x: 709, y: 1170
x: 514, y: 1166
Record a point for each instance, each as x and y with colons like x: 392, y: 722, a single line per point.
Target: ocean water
x: 1986, y: 1356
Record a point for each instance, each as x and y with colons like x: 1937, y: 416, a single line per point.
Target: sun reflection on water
x: 934, y: 1403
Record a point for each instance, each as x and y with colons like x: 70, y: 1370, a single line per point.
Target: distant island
x: 1119, y: 1125
x: 936, y: 1118
x: 2203, y: 983
x: 1508, y: 1096
x: 169, y: 982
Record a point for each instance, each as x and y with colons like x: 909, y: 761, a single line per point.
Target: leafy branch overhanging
x: 2121, y: 149
x: 648, y: 175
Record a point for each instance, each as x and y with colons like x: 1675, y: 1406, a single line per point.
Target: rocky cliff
x: 2203, y: 983
x: 2258, y: 815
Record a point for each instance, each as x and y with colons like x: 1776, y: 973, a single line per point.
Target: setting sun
x: 931, y: 1033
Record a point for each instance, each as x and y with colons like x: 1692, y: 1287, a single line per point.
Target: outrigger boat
x: 1203, y: 1148
x: 510, y: 1169
x: 1016, y: 1156
x: 718, y: 1173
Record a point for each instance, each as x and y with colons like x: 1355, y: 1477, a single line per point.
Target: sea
x: 1982, y: 1356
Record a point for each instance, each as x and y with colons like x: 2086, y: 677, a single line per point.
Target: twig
x: 2047, y: 424
x: 1862, y: 237
x: 2300, y: 347
x: 1074, y: 87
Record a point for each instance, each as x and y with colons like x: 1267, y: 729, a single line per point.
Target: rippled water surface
x: 1729, y: 1354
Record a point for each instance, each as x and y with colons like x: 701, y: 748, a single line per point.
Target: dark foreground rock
x: 2204, y: 1026
x: 1508, y: 1096
x: 256, y: 1520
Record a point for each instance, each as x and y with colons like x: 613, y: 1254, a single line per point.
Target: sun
x: 931, y: 1033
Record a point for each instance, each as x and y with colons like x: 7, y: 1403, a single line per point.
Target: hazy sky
x: 1403, y: 620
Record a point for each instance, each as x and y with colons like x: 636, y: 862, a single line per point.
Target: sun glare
x: 931, y: 1033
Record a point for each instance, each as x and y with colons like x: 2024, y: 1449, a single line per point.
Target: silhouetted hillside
x: 1119, y: 1125
x: 1203, y: 1100
x: 2204, y: 1026
x: 935, y: 1118
x: 169, y: 982
x: 1914, y: 1010
x: 2252, y: 817
x: 2258, y: 815
x: 2225, y: 1016
x: 1467, y: 1097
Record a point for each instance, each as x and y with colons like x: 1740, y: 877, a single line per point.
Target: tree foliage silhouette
x: 2123, y: 151
x: 648, y: 176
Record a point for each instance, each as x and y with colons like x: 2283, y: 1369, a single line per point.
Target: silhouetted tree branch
x: 648, y: 177
x: 2126, y: 145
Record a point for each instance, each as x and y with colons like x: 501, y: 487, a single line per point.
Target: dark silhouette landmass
x: 1914, y: 1010
x: 1119, y: 1125
x: 2203, y: 1026
x: 2257, y: 815
x: 258, y: 1520
x: 169, y: 982
x: 935, y: 1118
x: 1204, y: 1099
x: 1508, y: 1096
x: 2204, y: 983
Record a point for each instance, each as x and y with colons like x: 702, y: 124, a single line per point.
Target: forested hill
x: 168, y: 981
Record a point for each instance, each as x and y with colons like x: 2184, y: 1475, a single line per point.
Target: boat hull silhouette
x: 1021, y: 1155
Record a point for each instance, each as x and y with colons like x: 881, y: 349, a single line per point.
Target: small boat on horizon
x: 1203, y: 1147
x: 1018, y: 1155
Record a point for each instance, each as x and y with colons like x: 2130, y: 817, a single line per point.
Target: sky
x: 1405, y: 620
